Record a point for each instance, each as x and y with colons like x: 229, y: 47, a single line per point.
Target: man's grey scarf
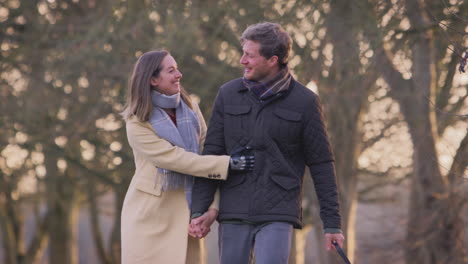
x: 185, y: 135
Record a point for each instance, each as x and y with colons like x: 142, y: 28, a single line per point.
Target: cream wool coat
x: 155, y: 223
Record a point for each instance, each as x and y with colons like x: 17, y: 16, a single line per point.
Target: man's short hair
x: 273, y: 40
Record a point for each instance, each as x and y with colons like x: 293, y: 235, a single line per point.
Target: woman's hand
x: 200, y: 226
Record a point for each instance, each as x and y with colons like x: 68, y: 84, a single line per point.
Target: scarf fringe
x: 170, y: 180
x: 185, y: 135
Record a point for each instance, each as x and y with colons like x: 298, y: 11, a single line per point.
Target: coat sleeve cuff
x: 215, y: 203
x: 332, y: 231
x: 195, y: 215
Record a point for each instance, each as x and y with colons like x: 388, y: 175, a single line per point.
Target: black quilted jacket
x: 286, y: 133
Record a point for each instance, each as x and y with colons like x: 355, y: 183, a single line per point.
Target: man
x: 270, y: 114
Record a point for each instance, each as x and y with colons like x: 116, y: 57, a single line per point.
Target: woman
x: 165, y: 131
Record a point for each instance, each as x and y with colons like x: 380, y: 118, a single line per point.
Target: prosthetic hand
x: 242, y: 159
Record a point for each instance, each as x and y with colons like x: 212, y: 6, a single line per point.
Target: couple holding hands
x: 264, y: 130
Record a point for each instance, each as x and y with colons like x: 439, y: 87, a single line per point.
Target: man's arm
x: 204, y: 189
x: 319, y: 158
x: 323, y: 176
x: 324, y: 179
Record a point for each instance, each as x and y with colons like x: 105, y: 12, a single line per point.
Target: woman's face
x: 168, y: 81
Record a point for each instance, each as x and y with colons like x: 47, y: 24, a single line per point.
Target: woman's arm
x: 163, y: 154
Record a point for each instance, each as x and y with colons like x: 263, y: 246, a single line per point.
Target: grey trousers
x: 268, y: 243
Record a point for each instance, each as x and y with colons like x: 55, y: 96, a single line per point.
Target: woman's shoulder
x: 133, y: 122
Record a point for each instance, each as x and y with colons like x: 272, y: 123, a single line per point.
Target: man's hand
x: 338, y: 237
x: 200, y: 226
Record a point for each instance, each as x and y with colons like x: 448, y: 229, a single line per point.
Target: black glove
x: 242, y: 159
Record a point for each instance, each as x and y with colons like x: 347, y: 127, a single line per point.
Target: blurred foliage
x: 65, y: 65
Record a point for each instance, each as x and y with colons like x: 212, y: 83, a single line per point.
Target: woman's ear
x: 154, y: 81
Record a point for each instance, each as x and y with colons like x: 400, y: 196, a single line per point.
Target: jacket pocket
x: 237, y: 109
x: 288, y: 115
x: 236, y: 119
x: 147, y: 186
x: 286, y: 126
x: 279, y: 195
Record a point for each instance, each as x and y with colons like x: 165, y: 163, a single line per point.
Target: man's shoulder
x: 232, y: 85
x: 302, y: 92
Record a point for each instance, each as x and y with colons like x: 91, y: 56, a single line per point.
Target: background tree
x: 64, y: 70
x: 420, y: 98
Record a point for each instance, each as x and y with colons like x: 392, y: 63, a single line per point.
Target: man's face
x: 256, y: 67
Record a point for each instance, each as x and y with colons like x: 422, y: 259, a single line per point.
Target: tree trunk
x: 429, y: 231
x: 8, y: 237
x: 94, y: 219
x: 433, y: 221
x: 435, y: 226
x: 38, y: 243
x: 293, y: 253
x: 11, y: 221
x: 345, y: 95
x: 61, y: 205
x: 115, y: 247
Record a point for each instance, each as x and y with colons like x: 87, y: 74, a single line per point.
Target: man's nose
x: 243, y: 60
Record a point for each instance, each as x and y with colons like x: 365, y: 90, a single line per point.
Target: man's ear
x: 273, y: 60
x: 154, y: 81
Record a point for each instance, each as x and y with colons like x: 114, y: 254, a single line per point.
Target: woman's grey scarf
x: 185, y: 135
